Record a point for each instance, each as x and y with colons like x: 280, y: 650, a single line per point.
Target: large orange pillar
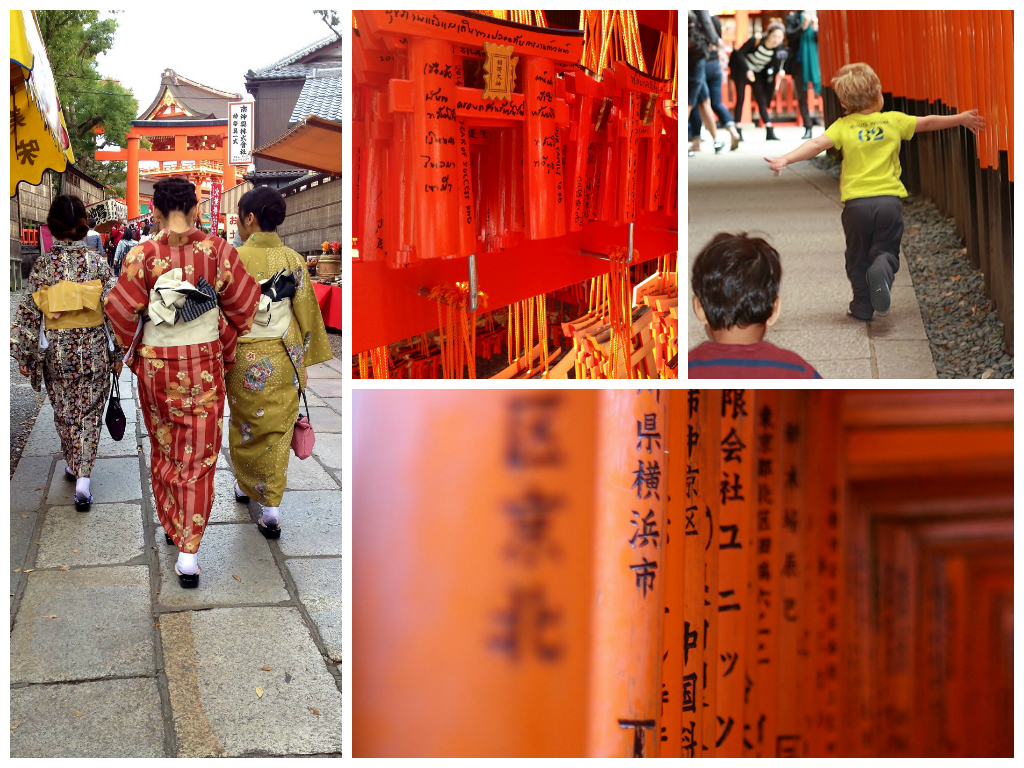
x: 133, y: 176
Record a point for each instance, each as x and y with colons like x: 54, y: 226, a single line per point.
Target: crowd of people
x: 195, y: 321
x: 788, y: 47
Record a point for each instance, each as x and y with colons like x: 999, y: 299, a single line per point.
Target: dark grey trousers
x: 874, y: 229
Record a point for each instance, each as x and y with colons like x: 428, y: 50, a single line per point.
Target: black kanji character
x: 640, y: 727
x: 525, y: 624
x: 728, y: 727
x: 727, y: 606
x: 730, y: 659
x: 731, y: 447
x: 644, y: 575
x: 647, y: 479
x: 732, y: 543
x: 734, y: 397
x: 789, y: 568
x: 648, y: 431
x: 531, y: 442
x: 646, y: 529
x: 530, y: 520
x: 735, y: 487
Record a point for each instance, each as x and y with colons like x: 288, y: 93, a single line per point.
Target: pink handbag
x: 303, y: 437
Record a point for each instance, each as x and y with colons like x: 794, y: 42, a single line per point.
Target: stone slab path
x: 111, y: 658
x: 799, y: 213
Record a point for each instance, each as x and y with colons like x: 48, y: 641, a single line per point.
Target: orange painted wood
x: 472, y: 572
x: 670, y: 711
x: 701, y: 476
x: 711, y: 409
x: 629, y: 576
x: 737, y: 487
x: 794, y: 560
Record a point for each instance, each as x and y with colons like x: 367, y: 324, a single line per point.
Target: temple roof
x: 324, y: 53
x: 198, y: 101
x: 321, y: 96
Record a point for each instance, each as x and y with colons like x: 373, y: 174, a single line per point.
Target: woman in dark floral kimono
x: 186, y: 297
x: 59, y: 337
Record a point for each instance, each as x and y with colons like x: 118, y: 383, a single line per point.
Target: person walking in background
x: 59, y: 336
x: 758, y: 62
x: 129, y: 241
x: 287, y: 335
x: 93, y: 239
x: 179, y: 305
x: 713, y: 68
x: 702, y: 40
x: 145, y: 233
x: 802, y: 36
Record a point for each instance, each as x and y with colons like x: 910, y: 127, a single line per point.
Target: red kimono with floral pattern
x: 182, y: 388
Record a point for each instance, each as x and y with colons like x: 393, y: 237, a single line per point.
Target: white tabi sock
x: 82, y: 489
x: 271, y: 515
x: 188, y: 563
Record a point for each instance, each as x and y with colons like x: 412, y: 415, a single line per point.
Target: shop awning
x: 39, y: 138
x: 313, y: 143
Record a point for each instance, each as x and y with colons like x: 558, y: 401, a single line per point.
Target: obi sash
x: 274, y: 316
x: 71, y: 305
x: 180, y: 313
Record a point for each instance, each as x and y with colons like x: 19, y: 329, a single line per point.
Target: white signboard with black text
x: 241, y: 131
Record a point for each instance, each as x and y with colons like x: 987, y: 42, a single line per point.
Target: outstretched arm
x: 805, y: 151
x: 970, y: 120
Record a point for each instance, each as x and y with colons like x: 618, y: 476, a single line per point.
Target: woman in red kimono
x: 184, y: 297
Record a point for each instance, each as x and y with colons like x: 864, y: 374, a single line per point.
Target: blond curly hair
x: 857, y: 86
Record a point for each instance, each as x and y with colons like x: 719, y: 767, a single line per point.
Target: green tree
x: 89, y: 101
x: 331, y: 19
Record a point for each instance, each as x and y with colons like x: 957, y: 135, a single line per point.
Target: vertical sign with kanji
x: 241, y: 130
x: 473, y: 558
x: 823, y: 504
x: 670, y: 735
x: 789, y: 575
x: 711, y: 417
x: 735, y: 487
x: 629, y: 573
x: 701, y: 508
x: 762, y: 642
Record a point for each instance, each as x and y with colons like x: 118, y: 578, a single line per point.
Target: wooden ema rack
x: 702, y: 573
x: 442, y: 173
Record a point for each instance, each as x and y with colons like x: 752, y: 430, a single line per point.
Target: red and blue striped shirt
x: 763, y: 360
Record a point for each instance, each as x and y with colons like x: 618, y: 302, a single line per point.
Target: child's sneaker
x: 879, y: 287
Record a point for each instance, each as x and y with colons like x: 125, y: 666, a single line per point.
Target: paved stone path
x: 111, y: 658
x: 800, y: 212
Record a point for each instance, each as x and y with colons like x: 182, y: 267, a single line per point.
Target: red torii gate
x: 187, y: 123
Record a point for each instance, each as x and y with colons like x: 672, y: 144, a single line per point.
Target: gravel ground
x: 25, y: 403
x: 335, y: 338
x: 965, y: 336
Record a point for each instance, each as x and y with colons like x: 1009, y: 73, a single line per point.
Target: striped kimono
x: 263, y: 389
x: 177, y: 282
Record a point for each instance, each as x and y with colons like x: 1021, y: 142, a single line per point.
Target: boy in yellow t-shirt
x: 870, y: 183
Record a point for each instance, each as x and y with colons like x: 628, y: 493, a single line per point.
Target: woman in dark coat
x: 758, y: 62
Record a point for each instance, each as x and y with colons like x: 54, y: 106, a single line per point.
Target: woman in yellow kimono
x: 287, y: 335
x: 59, y: 337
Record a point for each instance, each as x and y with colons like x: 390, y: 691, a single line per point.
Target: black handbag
x: 115, y: 419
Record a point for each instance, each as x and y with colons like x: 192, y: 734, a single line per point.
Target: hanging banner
x: 241, y: 121
x: 214, y: 205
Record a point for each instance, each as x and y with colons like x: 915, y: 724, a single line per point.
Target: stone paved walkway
x: 111, y: 658
x: 800, y: 214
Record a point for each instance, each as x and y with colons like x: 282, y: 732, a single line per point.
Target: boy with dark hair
x: 870, y: 183
x: 736, y: 296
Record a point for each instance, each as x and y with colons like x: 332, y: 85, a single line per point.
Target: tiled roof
x: 321, y: 96
x: 289, y: 66
x: 201, y: 100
